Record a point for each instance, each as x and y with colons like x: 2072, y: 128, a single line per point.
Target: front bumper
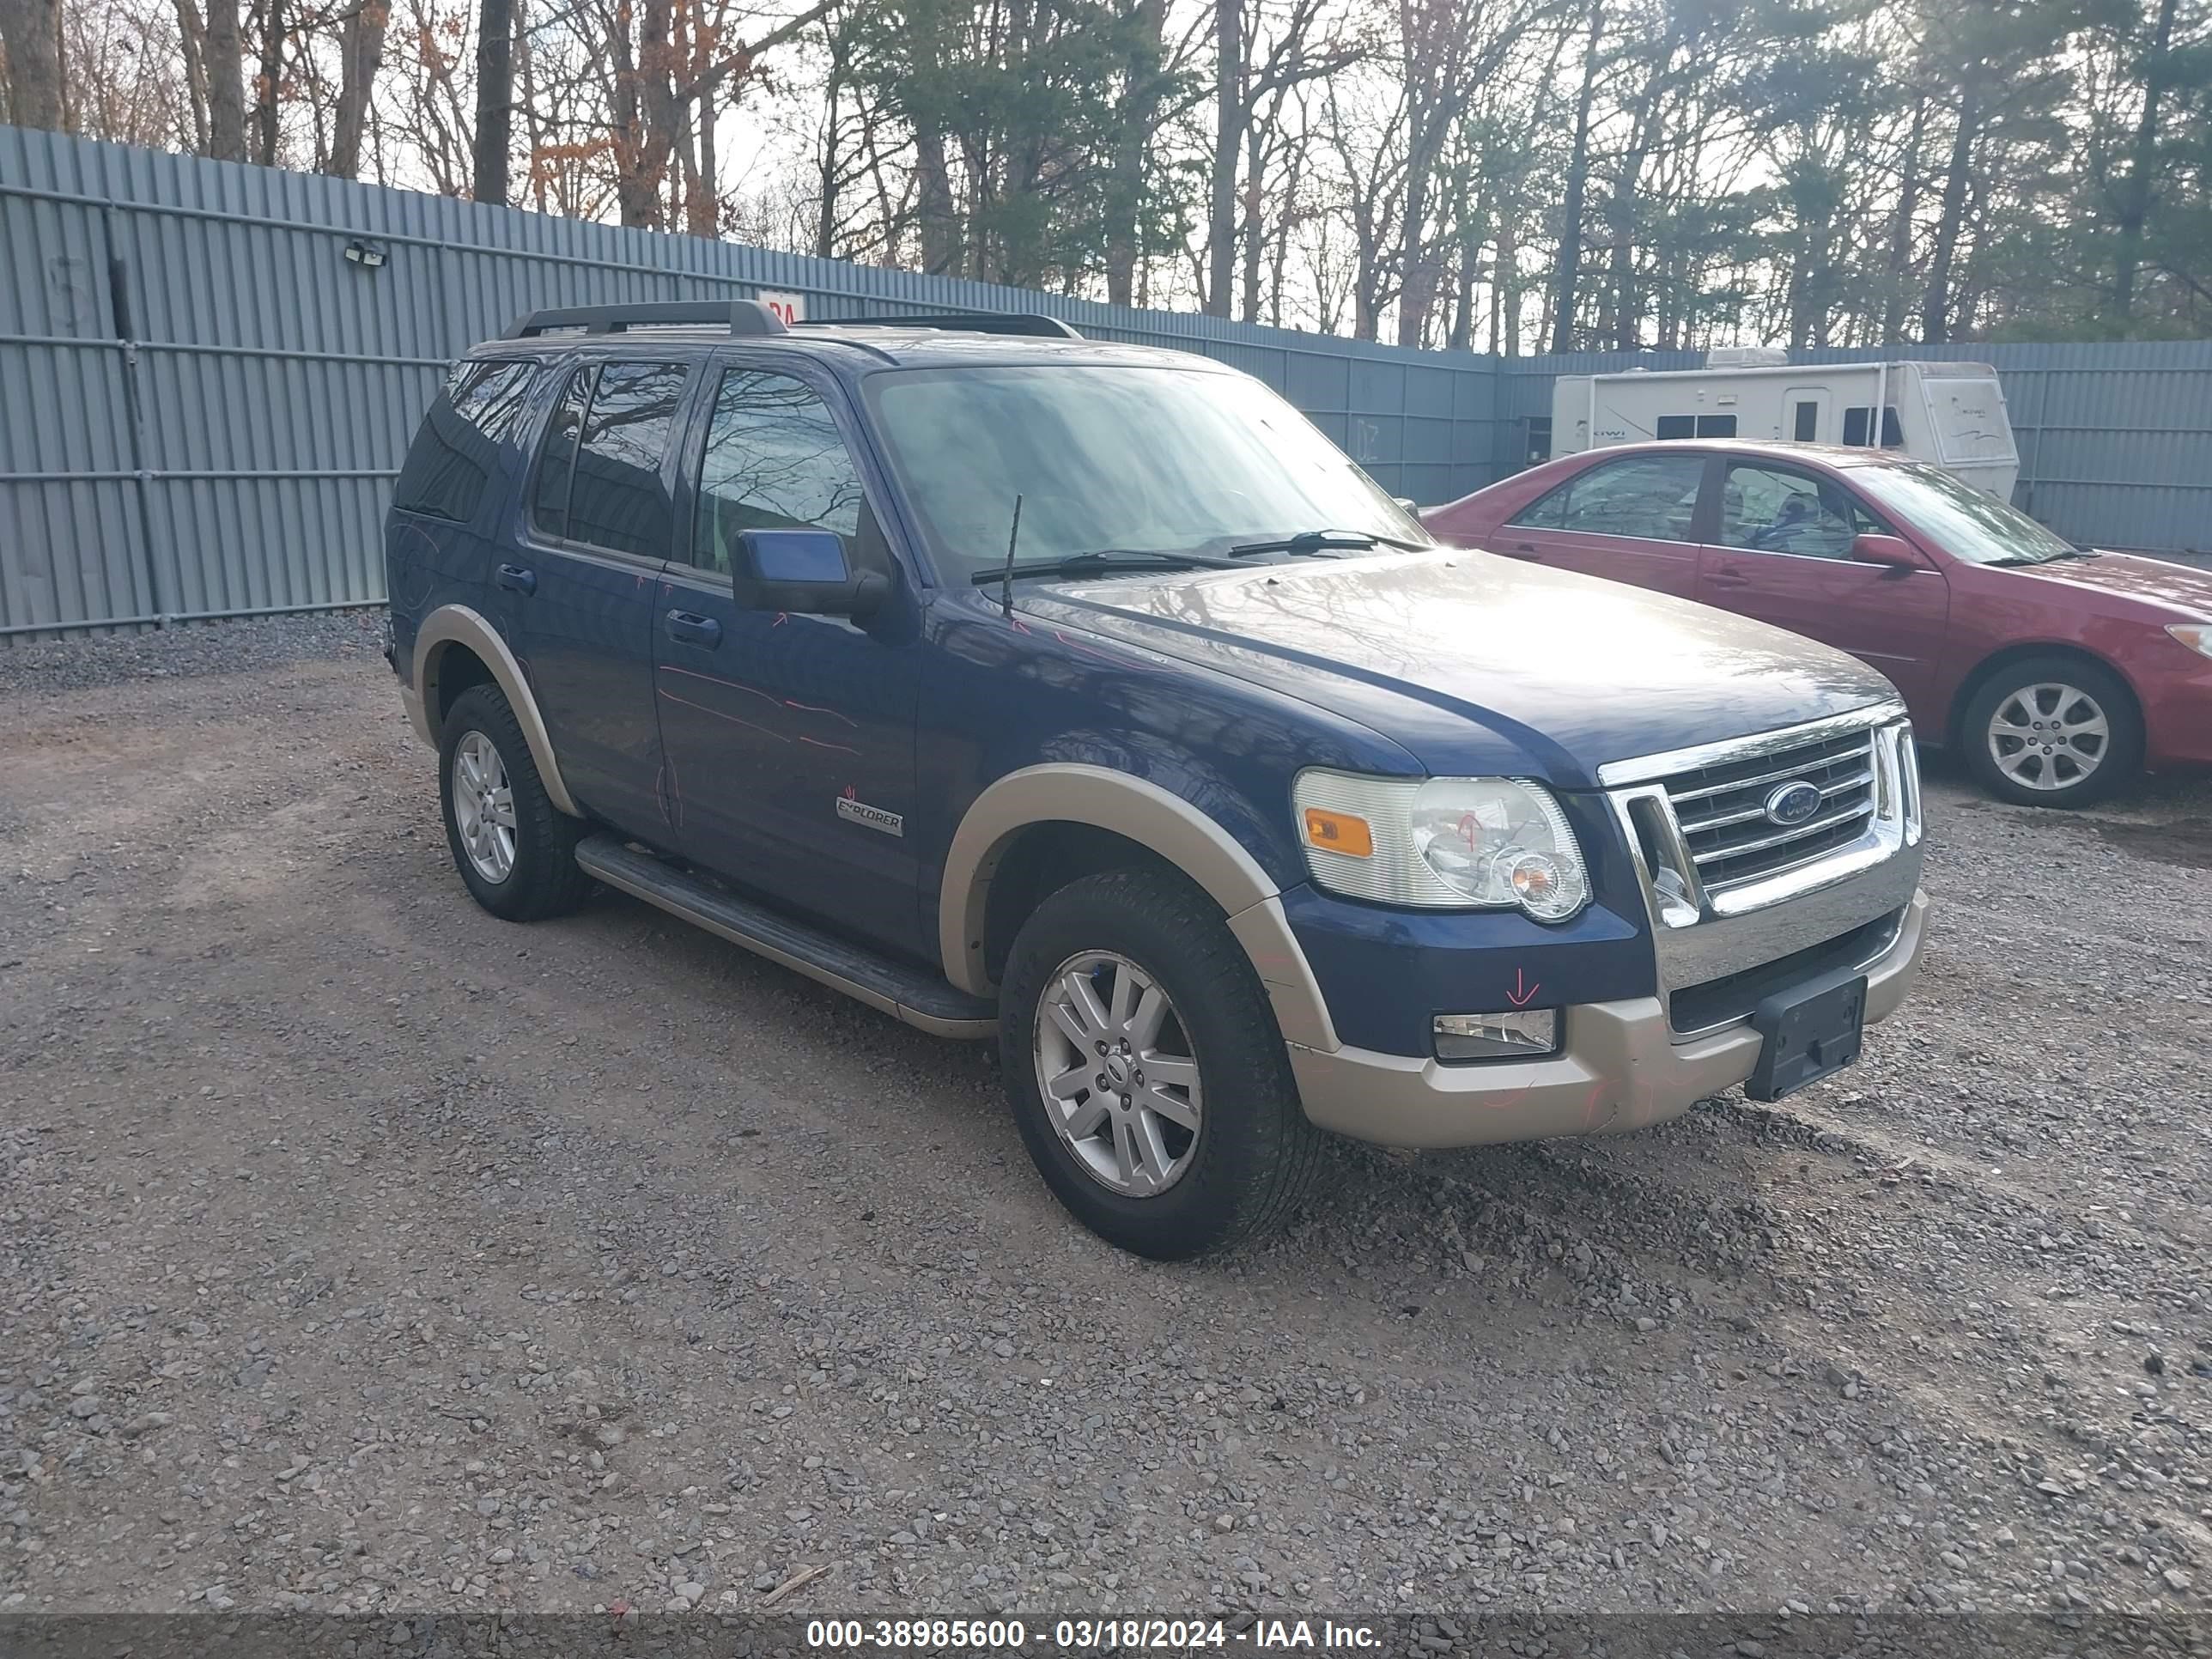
x: 1621, y: 1069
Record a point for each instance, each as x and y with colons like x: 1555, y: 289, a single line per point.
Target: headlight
x: 1443, y: 844
x: 2197, y: 636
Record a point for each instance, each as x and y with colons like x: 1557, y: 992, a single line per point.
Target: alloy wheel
x: 1118, y: 1073
x: 484, y: 807
x: 2049, y: 735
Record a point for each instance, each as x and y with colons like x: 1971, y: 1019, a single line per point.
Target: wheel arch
x: 1971, y: 684
x: 1084, y: 812
x: 456, y: 640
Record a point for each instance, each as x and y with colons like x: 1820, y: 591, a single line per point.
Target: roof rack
x: 739, y: 316
x: 974, y: 322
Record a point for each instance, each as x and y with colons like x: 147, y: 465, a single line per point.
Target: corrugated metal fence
x: 204, y: 401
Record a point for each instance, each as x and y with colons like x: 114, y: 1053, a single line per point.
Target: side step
x: 912, y: 994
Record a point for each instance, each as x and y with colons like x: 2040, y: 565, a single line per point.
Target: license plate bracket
x: 1807, y: 1034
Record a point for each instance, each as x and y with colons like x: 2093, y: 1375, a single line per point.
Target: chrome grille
x: 1721, y: 809
x: 1730, y: 892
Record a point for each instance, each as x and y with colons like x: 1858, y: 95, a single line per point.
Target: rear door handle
x: 1523, y: 550
x: 1727, y: 579
x: 518, y: 577
x: 694, y: 629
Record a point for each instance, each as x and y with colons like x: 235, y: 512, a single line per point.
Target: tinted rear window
x: 456, y: 453
x: 618, y: 501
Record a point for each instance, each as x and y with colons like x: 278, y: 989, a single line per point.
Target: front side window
x: 775, y: 460
x: 1113, y: 457
x: 1650, y: 497
x: 456, y: 453
x: 618, y: 501
x: 1775, y: 509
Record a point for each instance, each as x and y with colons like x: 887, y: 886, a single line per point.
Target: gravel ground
x: 364, y: 1253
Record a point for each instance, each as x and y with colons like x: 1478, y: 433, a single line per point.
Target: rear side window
x: 1650, y: 497
x: 557, y: 456
x: 617, y: 500
x: 455, y: 455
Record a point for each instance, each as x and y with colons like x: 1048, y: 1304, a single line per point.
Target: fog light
x: 1523, y: 1036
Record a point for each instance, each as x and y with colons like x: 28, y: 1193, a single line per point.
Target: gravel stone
x: 336, y: 1219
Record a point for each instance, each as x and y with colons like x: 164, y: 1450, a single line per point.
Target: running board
x: 911, y: 994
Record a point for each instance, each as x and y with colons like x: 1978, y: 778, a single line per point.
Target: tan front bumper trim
x: 1621, y: 1070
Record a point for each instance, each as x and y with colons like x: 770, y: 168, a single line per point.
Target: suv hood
x: 1478, y: 664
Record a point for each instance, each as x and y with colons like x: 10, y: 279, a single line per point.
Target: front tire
x: 516, y: 850
x: 2052, y: 732
x: 1146, y: 1070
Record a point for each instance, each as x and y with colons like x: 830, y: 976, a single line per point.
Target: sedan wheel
x: 2050, y: 735
x: 1118, y: 1075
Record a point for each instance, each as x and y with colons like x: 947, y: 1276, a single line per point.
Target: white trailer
x: 1951, y: 414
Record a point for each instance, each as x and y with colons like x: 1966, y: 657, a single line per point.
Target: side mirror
x: 805, y: 571
x: 1891, y: 552
x: 1409, y: 504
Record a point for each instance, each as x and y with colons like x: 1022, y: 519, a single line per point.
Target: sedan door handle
x: 518, y: 577
x: 1523, y: 550
x: 694, y: 629
x: 1727, y: 579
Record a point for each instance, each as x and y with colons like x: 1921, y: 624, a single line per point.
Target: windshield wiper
x: 1106, y: 558
x: 1313, y: 542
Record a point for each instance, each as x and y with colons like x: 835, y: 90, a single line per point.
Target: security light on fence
x: 368, y: 255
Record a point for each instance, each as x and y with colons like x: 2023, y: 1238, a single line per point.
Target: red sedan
x: 2056, y: 671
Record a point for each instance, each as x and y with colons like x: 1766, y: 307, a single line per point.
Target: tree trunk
x: 191, y: 41
x: 361, y: 54
x: 940, y: 229
x: 495, y: 136
x: 1255, y: 209
x: 1570, y: 214
x: 1133, y: 135
x: 1900, y: 234
x: 1935, y: 309
x: 1229, y: 119
x: 225, y: 85
x: 1505, y: 288
x: 2135, y: 200
x: 30, y: 30
x: 703, y: 200
x: 268, y: 110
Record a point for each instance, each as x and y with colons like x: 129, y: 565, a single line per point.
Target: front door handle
x: 1727, y: 579
x: 694, y: 629
x: 518, y: 577
x: 1523, y: 550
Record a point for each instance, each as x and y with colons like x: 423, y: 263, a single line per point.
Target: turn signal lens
x: 1340, y: 832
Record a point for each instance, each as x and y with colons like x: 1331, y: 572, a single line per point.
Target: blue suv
x: 1085, y: 697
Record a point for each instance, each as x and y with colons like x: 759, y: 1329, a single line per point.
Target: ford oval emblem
x: 1791, y: 803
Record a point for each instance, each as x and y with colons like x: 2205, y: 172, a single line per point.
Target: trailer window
x: 1695, y: 426
x: 1856, y: 421
x: 1808, y: 421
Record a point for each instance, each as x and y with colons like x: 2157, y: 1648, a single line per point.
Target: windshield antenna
x: 1007, y: 578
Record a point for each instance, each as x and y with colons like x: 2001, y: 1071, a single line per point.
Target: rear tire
x: 1229, y: 1148
x: 516, y: 851
x: 2051, y: 732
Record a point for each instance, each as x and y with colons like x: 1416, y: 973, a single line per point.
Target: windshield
x: 1149, y: 459
x: 1965, y: 522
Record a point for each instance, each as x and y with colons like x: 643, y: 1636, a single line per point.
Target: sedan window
x: 1650, y: 497
x: 1773, y: 509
